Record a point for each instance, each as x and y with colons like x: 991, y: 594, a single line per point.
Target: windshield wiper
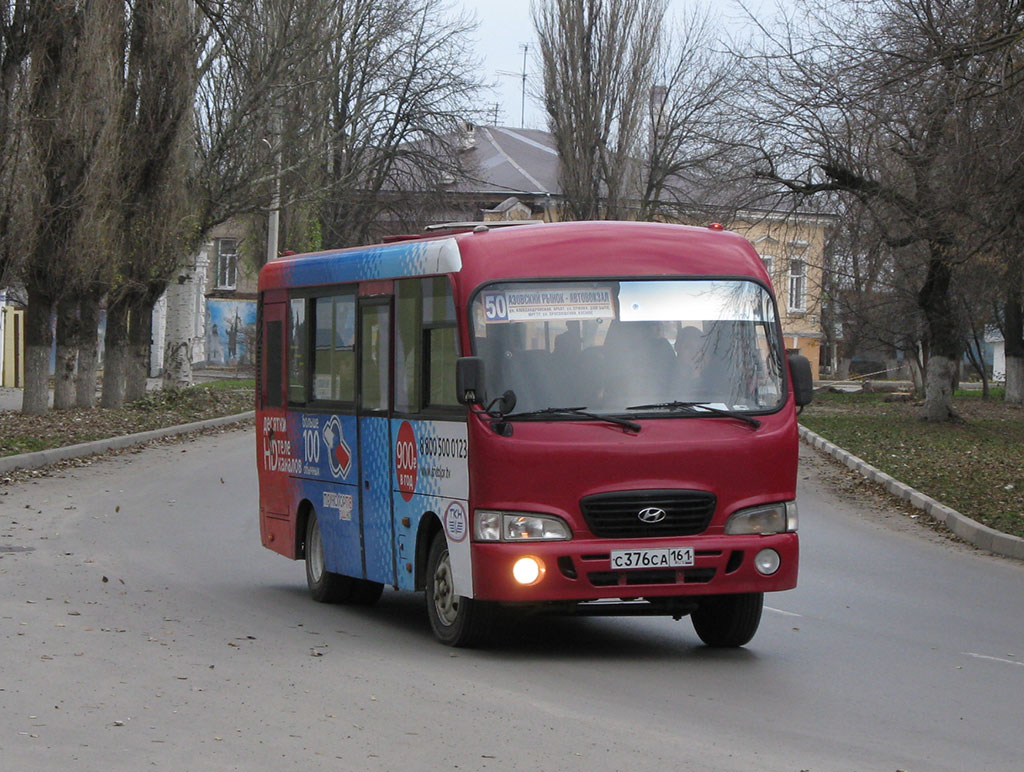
x: 577, y: 411
x: 697, y: 408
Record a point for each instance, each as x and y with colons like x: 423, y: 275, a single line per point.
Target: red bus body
x: 541, y: 465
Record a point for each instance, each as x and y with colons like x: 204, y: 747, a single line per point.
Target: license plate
x: 668, y: 557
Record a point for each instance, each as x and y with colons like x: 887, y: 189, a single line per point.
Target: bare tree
x: 690, y: 157
x: 152, y: 208
x: 399, y: 81
x: 598, y: 66
x: 14, y: 48
x: 875, y: 100
x: 66, y: 127
x: 997, y: 138
x: 867, y: 293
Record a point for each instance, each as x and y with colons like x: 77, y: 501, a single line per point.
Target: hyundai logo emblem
x: 652, y: 515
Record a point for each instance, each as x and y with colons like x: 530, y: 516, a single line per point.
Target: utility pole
x: 274, y: 215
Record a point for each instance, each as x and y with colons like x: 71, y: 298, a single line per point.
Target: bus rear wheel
x: 728, y: 621
x: 454, y: 619
x: 328, y: 587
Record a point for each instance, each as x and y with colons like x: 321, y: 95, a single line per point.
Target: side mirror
x: 803, y: 382
x: 469, y: 380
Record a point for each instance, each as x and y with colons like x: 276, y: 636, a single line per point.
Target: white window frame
x: 227, y: 263
x: 797, y: 296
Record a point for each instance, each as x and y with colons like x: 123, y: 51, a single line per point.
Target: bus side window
x: 298, y: 342
x: 334, y: 357
x: 408, y: 359
x: 273, y: 365
x: 426, y: 345
x: 374, y: 348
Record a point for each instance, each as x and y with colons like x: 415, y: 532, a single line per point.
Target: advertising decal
x: 432, y: 475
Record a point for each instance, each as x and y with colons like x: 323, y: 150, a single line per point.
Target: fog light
x: 527, y: 570
x: 767, y: 562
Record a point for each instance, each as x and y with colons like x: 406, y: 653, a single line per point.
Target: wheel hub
x: 445, y: 600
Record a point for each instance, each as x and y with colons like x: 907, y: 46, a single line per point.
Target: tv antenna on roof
x: 525, y: 47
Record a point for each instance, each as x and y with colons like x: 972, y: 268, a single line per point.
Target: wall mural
x: 230, y: 332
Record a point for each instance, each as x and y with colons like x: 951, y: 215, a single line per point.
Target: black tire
x: 328, y: 587
x: 728, y: 621
x: 455, y: 620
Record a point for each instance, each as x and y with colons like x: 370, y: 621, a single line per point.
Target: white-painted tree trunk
x: 35, y: 399
x: 1014, y: 380
x: 183, y: 297
x: 938, y: 389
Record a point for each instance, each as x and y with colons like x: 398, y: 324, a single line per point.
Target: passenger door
x: 272, y: 420
x: 375, y: 438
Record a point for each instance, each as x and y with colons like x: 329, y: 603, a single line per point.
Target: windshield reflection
x: 613, y: 345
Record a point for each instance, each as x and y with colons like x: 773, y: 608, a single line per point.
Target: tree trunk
x: 67, y: 354
x: 916, y: 366
x: 1014, y: 380
x: 843, y: 370
x: 115, y: 344
x: 936, y: 301
x: 1013, y: 335
x: 140, y: 334
x: 938, y: 389
x: 35, y: 399
x: 88, y: 349
x: 180, y: 330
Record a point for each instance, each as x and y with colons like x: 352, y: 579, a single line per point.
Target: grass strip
x: 20, y: 433
x: 975, y: 466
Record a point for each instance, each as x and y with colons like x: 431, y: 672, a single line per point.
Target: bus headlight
x: 515, y: 526
x: 771, y: 518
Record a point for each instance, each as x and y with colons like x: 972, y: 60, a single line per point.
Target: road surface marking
x: 780, y: 611
x: 994, y: 659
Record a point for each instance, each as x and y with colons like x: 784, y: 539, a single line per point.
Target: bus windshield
x: 630, y: 346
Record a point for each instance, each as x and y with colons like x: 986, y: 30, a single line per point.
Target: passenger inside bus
x: 639, y: 362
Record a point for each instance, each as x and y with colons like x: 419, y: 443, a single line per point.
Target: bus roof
x: 571, y: 249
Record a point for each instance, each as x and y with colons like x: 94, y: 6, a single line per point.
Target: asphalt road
x: 143, y: 626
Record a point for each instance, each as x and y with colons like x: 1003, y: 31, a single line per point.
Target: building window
x: 797, y: 284
x: 227, y: 262
x: 769, y: 266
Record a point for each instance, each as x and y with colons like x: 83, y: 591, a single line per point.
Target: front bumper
x: 580, y: 570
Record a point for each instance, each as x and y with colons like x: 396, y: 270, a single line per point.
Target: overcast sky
x: 505, y: 27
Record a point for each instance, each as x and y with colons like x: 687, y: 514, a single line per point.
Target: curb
x: 969, y: 530
x: 42, y: 458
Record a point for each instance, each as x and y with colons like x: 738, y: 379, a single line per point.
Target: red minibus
x: 580, y: 418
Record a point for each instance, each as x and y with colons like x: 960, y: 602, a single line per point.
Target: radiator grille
x: 617, y: 515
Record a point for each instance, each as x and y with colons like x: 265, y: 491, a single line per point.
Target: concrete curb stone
x: 41, y: 458
x: 967, y: 529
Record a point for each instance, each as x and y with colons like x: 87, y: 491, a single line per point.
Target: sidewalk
x: 10, y: 399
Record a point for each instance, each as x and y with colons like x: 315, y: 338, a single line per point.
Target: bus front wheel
x: 328, y: 587
x: 728, y: 621
x: 454, y: 619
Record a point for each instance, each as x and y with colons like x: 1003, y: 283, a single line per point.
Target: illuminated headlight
x: 527, y: 571
x: 772, y: 518
x: 513, y: 526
